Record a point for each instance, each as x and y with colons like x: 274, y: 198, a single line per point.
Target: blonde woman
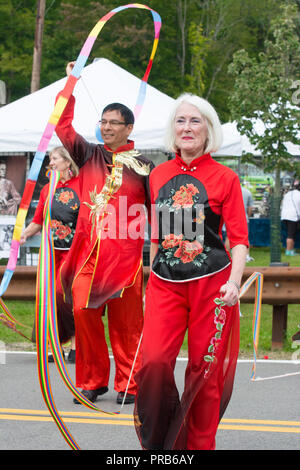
x: 64, y: 214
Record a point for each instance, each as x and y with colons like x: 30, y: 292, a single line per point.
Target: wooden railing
x: 281, y: 287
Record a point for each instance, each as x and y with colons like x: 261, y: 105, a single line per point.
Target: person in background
x: 64, y: 214
x: 248, y: 204
x: 290, y: 214
x: 193, y: 286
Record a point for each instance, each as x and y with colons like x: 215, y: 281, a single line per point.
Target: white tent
x: 22, y: 122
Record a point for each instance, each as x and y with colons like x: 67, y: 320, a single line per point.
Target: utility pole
x: 37, y: 52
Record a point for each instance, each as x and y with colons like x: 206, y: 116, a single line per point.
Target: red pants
x: 172, y: 309
x: 125, y: 322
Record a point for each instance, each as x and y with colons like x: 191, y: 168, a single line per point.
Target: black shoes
x: 91, y: 395
x: 72, y: 356
x: 51, y: 358
x: 130, y: 398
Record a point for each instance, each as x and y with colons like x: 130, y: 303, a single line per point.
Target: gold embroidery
x: 113, y: 183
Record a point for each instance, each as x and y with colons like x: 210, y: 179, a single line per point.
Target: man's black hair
x: 125, y: 112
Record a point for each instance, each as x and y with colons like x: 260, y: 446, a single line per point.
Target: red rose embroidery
x: 66, y: 196
x: 55, y: 223
x: 215, y: 342
x: 183, y: 198
x: 187, y: 251
x: 171, y: 240
x: 221, y: 318
x: 63, y: 231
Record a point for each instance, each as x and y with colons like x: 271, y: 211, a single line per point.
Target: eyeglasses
x: 112, y: 123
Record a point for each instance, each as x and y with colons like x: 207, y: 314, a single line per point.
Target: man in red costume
x: 103, y: 272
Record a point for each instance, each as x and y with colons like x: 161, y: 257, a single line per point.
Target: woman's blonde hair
x: 66, y: 156
x: 214, y: 128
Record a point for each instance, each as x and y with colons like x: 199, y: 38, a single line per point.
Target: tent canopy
x: 102, y: 82
x: 23, y: 122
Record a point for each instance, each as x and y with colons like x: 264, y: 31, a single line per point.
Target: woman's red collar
x: 199, y: 160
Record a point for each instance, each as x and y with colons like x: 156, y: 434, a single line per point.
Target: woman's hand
x: 229, y: 293
x: 23, y: 239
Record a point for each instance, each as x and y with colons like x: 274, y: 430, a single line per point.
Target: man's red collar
x: 123, y: 148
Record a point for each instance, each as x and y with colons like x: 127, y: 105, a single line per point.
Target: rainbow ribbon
x: 46, y: 315
x: 8, y: 320
x: 258, y: 279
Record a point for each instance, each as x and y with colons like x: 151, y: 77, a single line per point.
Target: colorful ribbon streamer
x: 46, y: 319
x: 45, y: 308
x: 8, y: 320
x: 258, y: 278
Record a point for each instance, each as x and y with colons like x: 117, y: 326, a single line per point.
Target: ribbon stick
x: 258, y: 278
x: 46, y: 315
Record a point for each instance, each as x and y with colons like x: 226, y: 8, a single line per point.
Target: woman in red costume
x: 64, y: 214
x: 193, y: 286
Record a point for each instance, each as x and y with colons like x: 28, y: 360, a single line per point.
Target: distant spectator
x: 290, y: 214
x: 248, y: 204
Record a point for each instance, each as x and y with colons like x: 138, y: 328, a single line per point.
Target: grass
x: 262, y: 257
x: 24, y: 312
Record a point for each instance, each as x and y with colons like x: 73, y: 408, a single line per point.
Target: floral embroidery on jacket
x: 178, y: 248
x: 65, y: 197
x: 61, y: 231
x: 184, y: 197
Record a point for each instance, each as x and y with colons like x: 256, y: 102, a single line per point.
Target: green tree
x: 17, y: 23
x: 262, y: 91
x: 226, y: 26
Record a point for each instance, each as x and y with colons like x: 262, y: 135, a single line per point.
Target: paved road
x: 264, y: 414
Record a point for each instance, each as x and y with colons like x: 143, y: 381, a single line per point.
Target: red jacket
x: 119, y: 253
x: 198, y: 198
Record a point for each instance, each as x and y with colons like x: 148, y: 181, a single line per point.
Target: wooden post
x: 37, y: 52
x: 279, y: 325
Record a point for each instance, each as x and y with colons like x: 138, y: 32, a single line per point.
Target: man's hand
x: 69, y: 68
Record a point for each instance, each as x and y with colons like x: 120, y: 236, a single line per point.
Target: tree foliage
x: 262, y: 94
x: 197, y: 43
x: 263, y: 91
